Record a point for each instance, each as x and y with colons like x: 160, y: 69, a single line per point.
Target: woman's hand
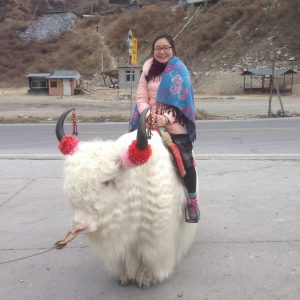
x: 157, y: 120
x: 161, y: 120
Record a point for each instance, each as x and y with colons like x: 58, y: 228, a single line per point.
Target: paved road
x: 251, y: 137
x: 247, y: 246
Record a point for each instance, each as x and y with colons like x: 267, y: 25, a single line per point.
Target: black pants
x: 190, y: 179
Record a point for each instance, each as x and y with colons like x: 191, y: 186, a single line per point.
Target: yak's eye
x: 107, y: 183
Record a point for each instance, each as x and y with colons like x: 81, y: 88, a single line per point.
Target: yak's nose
x: 77, y: 227
x: 83, y: 221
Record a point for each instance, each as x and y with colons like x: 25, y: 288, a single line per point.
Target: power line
x: 186, y: 24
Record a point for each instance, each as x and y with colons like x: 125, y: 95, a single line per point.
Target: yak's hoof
x: 143, y: 285
x: 124, y: 282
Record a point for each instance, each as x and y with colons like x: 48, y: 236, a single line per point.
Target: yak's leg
x: 124, y: 279
x: 157, y: 267
x: 122, y: 272
x: 128, y: 267
x: 148, y: 275
x: 164, y: 265
x: 144, y: 277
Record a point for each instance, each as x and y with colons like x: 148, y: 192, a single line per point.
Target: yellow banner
x: 134, y: 51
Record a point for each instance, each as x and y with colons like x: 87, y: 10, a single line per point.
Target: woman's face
x: 162, y: 51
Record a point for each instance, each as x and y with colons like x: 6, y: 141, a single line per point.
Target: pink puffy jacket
x: 146, y: 96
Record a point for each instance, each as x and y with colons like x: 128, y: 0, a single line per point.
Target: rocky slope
x: 218, y: 42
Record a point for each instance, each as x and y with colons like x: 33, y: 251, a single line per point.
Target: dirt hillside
x: 216, y: 41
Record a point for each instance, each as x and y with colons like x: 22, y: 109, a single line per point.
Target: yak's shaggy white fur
x: 133, y: 217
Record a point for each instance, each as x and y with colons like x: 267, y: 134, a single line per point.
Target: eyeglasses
x: 165, y: 48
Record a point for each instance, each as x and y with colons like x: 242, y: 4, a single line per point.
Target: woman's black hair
x: 168, y: 38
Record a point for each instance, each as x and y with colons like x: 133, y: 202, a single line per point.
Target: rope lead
x: 58, y: 245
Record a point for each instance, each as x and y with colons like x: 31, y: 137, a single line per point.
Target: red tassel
x: 74, y: 122
x: 138, y: 156
x: 68, y: 144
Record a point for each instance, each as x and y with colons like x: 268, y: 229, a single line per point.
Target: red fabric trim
x: 178, y: 158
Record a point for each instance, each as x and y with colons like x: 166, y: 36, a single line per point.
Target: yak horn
x: 60, y: 125
x: 141, y: 137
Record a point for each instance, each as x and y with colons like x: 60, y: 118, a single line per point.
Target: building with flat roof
x: 58, y: 83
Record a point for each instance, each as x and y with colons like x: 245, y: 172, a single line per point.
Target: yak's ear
x: 133, y: 156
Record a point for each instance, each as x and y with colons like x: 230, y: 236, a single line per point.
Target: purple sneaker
x: 192, y: 212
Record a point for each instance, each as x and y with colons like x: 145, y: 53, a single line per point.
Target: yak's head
x: 97, y: 174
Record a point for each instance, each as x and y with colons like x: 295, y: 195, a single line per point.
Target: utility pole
x: 282, y: 113
x: 273, y: 81
x: 271, y: 87
x: 100, y: 53
x: 129, y: 45
x: 92, y: 7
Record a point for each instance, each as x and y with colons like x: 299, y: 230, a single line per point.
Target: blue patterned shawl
x: 175, y: 89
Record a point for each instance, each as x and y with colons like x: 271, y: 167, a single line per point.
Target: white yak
x: 133, y: 216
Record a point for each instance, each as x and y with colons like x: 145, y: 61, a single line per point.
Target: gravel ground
x: 108, y: 104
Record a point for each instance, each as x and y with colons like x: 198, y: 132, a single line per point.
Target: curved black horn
x: 141, y: 137
x: 60, y: 125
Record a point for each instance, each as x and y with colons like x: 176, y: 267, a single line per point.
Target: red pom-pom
x: 138, y: 156
x: 68, y: 144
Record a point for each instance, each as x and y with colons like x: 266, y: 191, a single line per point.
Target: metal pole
x: 272, y: 76
x: 118, y: 86
x: 271, y: 90
x: 274, y: 81
x: 101, y: 58
x: 131, y: 78
x: 118, y: 98
x: 279, y: 96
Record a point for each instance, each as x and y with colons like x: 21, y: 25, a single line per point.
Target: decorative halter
x: 137, y: 153
x: 67, y: 144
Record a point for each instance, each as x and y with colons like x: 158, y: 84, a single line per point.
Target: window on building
x: 127, y: 74
x: 53, y: 83
x: 39, y: 84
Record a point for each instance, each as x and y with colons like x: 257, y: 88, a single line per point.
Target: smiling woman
x: 165, y: 87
